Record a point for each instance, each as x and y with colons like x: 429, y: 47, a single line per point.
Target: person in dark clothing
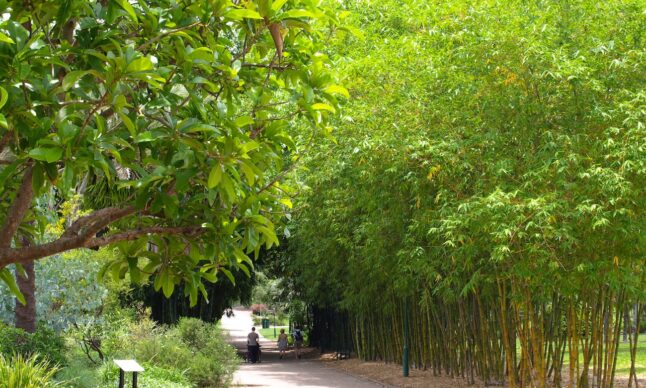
x: 253, y: 346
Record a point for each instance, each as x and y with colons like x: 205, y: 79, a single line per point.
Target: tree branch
x: 18, y: 209
x: 97, y: 220
x: 35, y: 252
x: 268, y: 66
x: 190, y: 231
x: 165, y: 34
x: 282, y: 174
x: 5, y: 140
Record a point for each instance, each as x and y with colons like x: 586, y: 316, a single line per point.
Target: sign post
x: 128, y: 366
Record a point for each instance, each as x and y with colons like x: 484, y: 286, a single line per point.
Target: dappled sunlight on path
x: 274, y: 372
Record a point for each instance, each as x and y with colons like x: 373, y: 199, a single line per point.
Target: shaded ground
x: 391, y: 375
x: 308, y: 372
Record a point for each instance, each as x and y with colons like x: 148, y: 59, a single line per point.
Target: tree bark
x: 18, y: 210
x: 25, y: 315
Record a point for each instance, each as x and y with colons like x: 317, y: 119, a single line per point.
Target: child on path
x: 298, y: 342
x: 282, y: 343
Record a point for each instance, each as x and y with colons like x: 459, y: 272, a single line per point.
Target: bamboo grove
x: 487, y: 186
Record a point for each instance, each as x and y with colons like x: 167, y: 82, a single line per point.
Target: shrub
x: 79, y: 372
x: 21, y: 372
x: 45, y: 343
x: 192, y: 348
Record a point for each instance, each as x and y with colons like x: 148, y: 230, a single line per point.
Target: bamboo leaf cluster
x: 490, y: 171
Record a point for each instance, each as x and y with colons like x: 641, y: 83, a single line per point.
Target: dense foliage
x: 43, y: 345
x: 490, y: 176
x: 68, y: 292
x: 175, y: 120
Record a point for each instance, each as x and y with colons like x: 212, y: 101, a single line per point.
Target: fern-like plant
x: 21, y: 372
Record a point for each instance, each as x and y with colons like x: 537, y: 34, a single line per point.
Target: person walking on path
x: 298, y: 342
x: 253, y: 346
x: 282, y: 343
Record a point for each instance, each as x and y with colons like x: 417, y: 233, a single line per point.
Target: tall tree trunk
x: 26, y: 314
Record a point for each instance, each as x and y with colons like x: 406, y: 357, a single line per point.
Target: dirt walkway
x: 287, y: 373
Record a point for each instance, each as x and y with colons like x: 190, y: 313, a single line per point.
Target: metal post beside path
x: 405, y: 367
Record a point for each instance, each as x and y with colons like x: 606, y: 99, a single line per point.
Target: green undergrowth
x: 189, y: 354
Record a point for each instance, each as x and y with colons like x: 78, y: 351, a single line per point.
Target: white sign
x: 129, y: 365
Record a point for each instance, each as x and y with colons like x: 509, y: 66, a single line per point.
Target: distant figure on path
x: 253, y: 346
x: 282, y: 343
x: 298, y: 342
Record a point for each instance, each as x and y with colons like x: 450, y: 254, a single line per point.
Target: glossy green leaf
x: 322, y: 106
x: 46, y: 154
x: 297, y: 13
x: 140, y: 64
x: 215, y: 176
x: 338, y: 89
x: 278, y: 4
x: 8, y: 279
x: 72, y: 78
x: 4, y: 38
x: 125, y: 4
x: 243, y: 121
x: 229, y: 275
x: 4, y: 96
x: 242, y: 13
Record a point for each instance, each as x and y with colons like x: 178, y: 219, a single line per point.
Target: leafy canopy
x: 176, y: 119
